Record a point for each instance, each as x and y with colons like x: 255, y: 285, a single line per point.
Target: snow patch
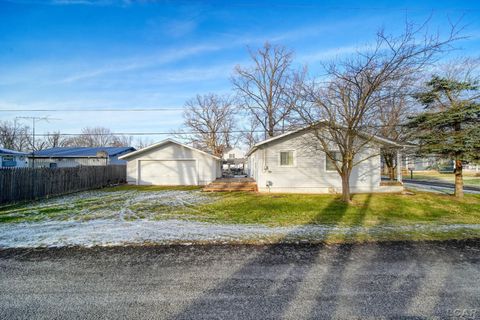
x: 107, y: 232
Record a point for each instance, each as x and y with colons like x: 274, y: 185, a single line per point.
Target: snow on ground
x: 133, y: 217
x: 107, y: 232
x: 123, y: 205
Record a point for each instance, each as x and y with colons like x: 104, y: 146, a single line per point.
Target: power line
x: 185, y: 132
x: 94, y: 110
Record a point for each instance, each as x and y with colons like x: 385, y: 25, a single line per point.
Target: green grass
x: 469, y: 179
x: 366, y: 210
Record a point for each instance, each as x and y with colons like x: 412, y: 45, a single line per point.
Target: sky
x: 106, y: 54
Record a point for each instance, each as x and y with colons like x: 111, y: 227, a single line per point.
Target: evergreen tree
x: 450, y: 125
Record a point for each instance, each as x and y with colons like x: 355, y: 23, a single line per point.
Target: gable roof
x: 378, y: 139
x: 81, y: 152
x: 12, y: 152
x: 163, y: 142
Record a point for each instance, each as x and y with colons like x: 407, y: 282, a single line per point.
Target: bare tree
x: 142, y: 142
x: 210, y: 118
x: 15, y: 136
x: 266, y: 89
x: 122, y: 141
x: 94, y: 137
x: 56, y: 140
x: 347, y: 104
x: 393, y: 113
x: 250, y: 135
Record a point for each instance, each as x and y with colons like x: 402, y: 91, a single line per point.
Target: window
x: 286, y: 158
x: 329, y: 164
x: 231, y: 156
x: 7, y: 158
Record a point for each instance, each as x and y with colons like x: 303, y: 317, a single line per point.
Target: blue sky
x: 83, y: 54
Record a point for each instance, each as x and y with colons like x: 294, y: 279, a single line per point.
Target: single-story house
x: 61, y: 157
x: 294, y: 162
x: 234, y: 158
x: 13, y: 159
x: 170, y: 162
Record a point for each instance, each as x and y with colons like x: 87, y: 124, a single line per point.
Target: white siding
x: 308, y: 174
x: 208, y: 167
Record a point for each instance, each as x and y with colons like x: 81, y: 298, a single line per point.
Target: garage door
x: 168, y: 172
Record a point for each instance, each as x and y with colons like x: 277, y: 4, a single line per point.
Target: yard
x: 469, y: 178
x: 131, y: 214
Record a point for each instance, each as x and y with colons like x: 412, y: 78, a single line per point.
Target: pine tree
x: 450, y: 125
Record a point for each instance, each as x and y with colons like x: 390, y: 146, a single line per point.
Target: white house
x: 13, y: 159
x: 234, y: 154
x: 171, y: 163
x: 292, y: 162
x: 234, y: 158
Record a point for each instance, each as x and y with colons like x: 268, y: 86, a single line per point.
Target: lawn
x: 367, y: 209
x: 469, y: 179
x: 373, y: 216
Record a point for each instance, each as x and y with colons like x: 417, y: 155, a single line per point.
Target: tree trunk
x: 390, y: 165
x: 346, y: 197
x: 458, y: 179
x: 391, y: 173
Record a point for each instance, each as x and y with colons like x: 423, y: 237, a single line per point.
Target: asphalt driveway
x: 407, y: 279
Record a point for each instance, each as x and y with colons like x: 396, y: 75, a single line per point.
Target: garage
x: 170, y: 162
x: 168, y: 172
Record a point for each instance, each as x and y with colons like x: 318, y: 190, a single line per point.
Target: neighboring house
x: 471, y: 167
x: 13, y: 159
x: 234, y: 158
x: 293, y: 162
x: 171, y: 163
x: 62, y: 157
x: 426, y: 163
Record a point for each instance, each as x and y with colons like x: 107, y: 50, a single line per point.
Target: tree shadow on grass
x: 265, y: 286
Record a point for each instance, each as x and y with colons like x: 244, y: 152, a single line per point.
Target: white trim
x: 294, y: 158
x: 158, y: 144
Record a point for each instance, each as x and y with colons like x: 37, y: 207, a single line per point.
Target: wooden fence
x: 28, y: 183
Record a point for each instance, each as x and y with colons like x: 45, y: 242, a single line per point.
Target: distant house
x: 234, y: 158
x: 169, y: 162
x: 78, y: 156
x: 13, y: 159
x: 293, y: 162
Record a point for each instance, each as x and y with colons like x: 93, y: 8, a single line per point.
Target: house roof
x: 12, y: 152
x: 81, y: 152
x: 163, y: 142
x: 378, y: 139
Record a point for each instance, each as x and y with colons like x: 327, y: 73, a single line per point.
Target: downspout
x: 265, y: 168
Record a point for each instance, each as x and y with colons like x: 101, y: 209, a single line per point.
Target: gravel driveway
x: 431, y: 280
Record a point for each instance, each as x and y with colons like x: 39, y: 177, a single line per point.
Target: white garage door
x: 168, y: 172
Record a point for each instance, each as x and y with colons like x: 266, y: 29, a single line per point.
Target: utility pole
x: 34, y: 119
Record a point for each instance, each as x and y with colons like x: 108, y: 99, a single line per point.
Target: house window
x: 329, y: 164
x: 231, y: 156
x: 286, y: 158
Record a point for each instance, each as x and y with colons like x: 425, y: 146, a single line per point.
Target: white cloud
x: 140, y: 62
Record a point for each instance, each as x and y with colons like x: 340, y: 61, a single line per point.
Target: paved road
x: 440, y: 187
x: 440, y: 184
x: 418, y: 280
